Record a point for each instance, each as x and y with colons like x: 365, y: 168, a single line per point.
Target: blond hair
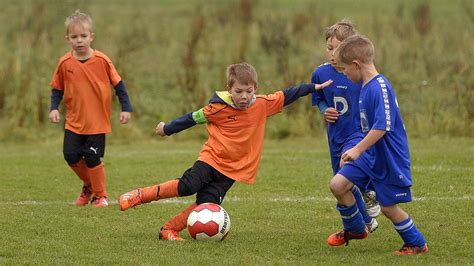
x: 243, y: 73
x: 341, y: 30
x: 356, y: 47
x: 78, y: 18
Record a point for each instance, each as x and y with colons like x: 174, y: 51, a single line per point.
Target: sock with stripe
x: 410, y: 233
x: 361, y: 204
x: 351, y: 219
x: 168, y: 189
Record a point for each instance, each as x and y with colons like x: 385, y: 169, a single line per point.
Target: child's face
x: 80, y: 37
x: 331, y: 45
x: 242, y: 94
x: 352, y: 71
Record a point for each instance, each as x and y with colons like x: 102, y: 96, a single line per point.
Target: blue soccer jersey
x: 343, y: 95
x: 389, y: 157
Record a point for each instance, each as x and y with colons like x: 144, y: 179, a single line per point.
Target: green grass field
x: 284, y: 218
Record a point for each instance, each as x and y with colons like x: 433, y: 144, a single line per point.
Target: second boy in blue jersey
x: 381, y: 157
x: 339, y: 104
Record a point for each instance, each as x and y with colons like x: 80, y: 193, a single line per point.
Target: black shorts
x: 89, y: 147
x: 209, y: 184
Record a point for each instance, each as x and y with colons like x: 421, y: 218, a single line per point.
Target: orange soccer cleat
x: 170, y: 235
x: 100, y: 202
x: 407, y: 250
x: 85, y: 196
x: 130, y: 199
x: 343, y: 237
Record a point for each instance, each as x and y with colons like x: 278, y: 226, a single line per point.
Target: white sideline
x: 235, y: 199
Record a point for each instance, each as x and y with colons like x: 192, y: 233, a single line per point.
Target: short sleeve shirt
x: 390, y: 156
x: 235, y: 141
x: 87, y: 92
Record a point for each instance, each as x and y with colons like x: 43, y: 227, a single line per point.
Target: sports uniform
x: 343, y: 95
x: 386, y: 163
x: 345, y: 133
x: 85, y: 87
x: 231, y: 153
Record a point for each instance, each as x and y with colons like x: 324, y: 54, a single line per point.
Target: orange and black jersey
x: 235, y: 136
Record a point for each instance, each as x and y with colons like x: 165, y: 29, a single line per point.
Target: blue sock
x: 410, y: 234
x: 361, y: 204
x: 351, y: 219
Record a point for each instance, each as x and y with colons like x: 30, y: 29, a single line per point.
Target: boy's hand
x: 322, y: 86
x: 124, y: 117
x: 160, y: 129
x: 54, y: 116
x: 331, y: 115
x: 351, y: 155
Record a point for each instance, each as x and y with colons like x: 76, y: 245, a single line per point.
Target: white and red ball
x: 208, y: 221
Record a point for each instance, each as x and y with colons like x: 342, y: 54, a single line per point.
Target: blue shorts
x: 337, y: 153
x: 386, y: 194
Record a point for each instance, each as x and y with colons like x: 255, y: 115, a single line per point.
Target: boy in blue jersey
x: 382, y: 156
x: 339, y: 105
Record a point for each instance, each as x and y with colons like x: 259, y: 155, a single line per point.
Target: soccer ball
x: 208, y: 221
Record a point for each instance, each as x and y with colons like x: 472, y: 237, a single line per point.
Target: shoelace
x: 344, y: 234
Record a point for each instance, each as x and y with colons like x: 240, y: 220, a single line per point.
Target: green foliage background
x: 172, y: 56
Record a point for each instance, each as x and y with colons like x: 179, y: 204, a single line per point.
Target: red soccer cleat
x: 85, y: 196
x: 99, y: 202
x: 342, y: 237
x: 130, y: 199
x: 170, y: 235
x: 407, y: 250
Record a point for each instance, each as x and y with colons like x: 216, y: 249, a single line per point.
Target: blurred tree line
x: 172, y: 56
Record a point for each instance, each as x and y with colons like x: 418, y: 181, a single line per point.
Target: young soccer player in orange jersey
x: 83, y: 77
x: 236, y: 121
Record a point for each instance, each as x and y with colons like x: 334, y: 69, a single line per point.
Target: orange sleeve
x: 211, y: 111
x: 113, y: 74
x: 274, y: 102
x: 57, y: 80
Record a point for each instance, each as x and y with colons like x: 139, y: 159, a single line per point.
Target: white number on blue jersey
x: 342, y: 102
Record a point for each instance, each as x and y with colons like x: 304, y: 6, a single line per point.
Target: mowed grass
x: 284, y: 218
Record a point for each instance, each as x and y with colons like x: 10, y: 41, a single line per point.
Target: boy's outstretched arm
x: 182, y: 123
x: 292, y: 94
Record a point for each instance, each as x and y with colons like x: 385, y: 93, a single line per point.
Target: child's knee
x: 339, y: 185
